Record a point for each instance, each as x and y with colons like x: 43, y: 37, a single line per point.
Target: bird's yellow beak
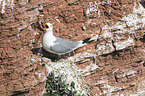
x: 46, y: 26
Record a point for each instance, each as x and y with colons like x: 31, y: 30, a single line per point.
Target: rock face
x: 113, y: 64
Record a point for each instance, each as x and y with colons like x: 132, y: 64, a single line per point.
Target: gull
x: 57, y: 45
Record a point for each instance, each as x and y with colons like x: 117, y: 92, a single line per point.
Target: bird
x: 57, y: 45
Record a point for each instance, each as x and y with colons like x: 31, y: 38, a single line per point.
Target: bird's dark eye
x: 46, y: 26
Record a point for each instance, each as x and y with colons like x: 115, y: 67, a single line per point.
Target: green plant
x: 56, y: 86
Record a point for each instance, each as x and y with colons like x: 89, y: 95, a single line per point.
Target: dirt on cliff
x: 21, y: 30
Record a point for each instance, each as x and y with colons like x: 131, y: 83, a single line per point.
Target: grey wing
x: 63, y: 46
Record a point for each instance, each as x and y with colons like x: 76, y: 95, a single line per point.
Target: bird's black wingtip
x: 86, y: 40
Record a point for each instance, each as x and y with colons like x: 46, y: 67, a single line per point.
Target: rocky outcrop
x: 113, y: 64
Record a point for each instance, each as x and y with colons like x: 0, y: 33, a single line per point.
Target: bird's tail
x: 83, y: 42
x: 86, y: 40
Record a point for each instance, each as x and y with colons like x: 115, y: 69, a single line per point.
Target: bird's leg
x: 73, y: 52
x: 59, y: 57
x: 69, y: 54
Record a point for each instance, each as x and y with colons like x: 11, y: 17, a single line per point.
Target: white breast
x: 48, y: 41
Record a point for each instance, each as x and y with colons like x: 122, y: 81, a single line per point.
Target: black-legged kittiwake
x: 59, y: 45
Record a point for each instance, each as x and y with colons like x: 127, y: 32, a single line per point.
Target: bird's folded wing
x: 64, y: 46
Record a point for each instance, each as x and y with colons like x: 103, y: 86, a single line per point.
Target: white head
x: 48, y: 27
